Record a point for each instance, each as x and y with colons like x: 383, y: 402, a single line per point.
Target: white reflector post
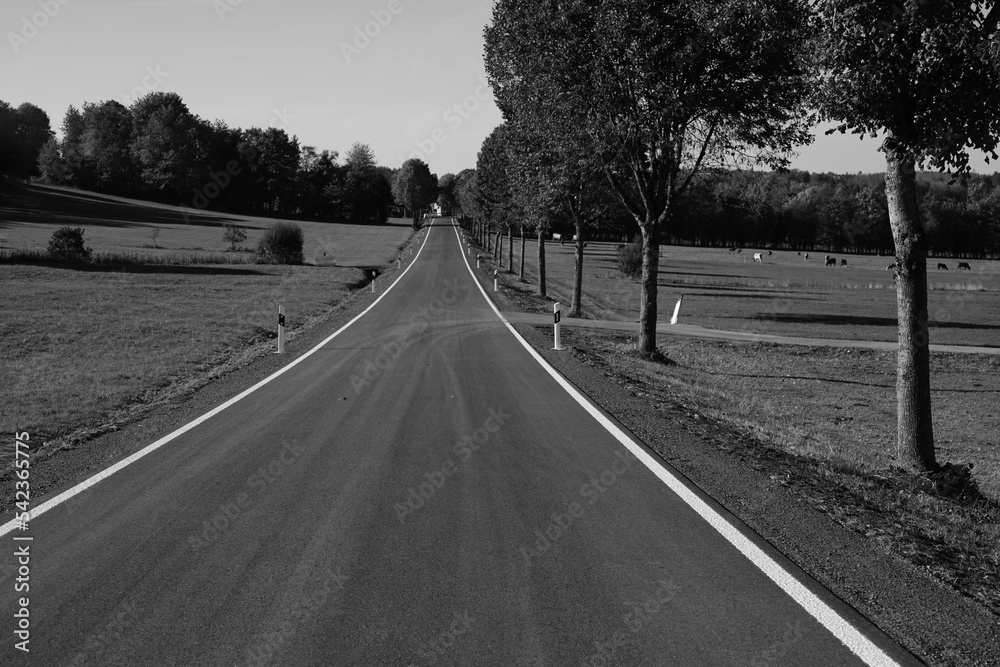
x: 556, y: 316
x: 281, y: 329
x: 677, y: 310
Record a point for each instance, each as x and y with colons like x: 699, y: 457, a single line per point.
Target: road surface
x: 417, y: 491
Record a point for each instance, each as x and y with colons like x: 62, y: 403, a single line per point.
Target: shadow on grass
x: 36, y: 204
x: 856, y: 320
x: 91, y: 267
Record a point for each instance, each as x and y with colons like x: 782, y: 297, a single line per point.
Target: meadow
x: 83, y: 344
x: 784, y: 295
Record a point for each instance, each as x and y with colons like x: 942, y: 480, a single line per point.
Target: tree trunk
x: 489, y: 237
x: 498, y: 247
x: 510, y: 248
x: 541, y: 263
x: 521, y: 267
x: 576, y: 310
x: 915, y: 433
x: 416, y: 219
x: 647, y: 305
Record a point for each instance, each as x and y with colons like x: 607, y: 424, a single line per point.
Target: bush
x: 66, y: 245
x: 630, y: 260
x: 282, y: 244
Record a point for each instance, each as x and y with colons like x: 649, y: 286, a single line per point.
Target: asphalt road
x: 417, y: 491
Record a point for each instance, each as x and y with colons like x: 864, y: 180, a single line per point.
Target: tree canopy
x: 657, y: 91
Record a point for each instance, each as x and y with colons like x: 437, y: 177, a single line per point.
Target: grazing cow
x: 768, y: 253
x: 739, y: 250
x: 942, y: 266
x: 758, y: 258
x: 843, y: 262
x: 891, y: 267
x: 807, y: 257
x: 831, y: 261
x: 964, y: 265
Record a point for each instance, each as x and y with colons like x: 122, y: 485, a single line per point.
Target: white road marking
x: 108, y: 472
x: 850, y: 636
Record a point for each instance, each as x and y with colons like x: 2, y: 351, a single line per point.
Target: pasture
x: 29, y: 215
x: 784, y: 294
x: 81, y: 343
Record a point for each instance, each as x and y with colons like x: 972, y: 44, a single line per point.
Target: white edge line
x: 108, y: 472
x: 850, y: 636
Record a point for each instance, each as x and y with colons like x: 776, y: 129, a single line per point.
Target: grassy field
x: 29, y: 215
x: 784, y: 295
x: 84, y: 343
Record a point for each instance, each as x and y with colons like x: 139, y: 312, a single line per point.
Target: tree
x: 104, y: 147
x: 234, y: 236
x: 660, y: 90
x: 272, y: 159
x: 367, y: 193
x: 164, y: 145
x: 465, y: 194
x: 414, y: 187
x: 320, y: 184
x: 928, y: 76
x: 446, y: 193
x: 23, y: 133
x: 51, y: 165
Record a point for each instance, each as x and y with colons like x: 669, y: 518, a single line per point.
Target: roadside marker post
x: 496, y: 281
x: 556, y: 316
x: 373, y: 282
x: 677, y: 310
x: 399, y: 263
x: 281, y: 329
x: 477, y: 259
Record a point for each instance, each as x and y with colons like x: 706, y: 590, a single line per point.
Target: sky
x: 405, y: 77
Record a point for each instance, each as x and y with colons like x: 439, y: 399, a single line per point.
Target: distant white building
x: 436, y: 209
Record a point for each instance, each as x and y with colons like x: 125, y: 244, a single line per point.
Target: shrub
x: 630, y: 260
x: 66, y: 245
x: 282, y: 244
x: 234, y: 236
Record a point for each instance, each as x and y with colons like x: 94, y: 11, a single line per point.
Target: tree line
x: 669, y: 109
x: 157, y: 149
